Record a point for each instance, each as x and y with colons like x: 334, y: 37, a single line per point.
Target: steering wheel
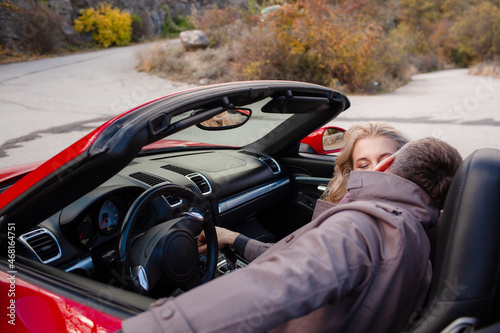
x: 168, y: 252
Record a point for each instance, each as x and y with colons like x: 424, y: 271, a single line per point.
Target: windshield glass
x: 257, y: 126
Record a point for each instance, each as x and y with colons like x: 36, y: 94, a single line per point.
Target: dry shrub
x: 490, y: 68
x: 440, y: 40
x: 360, y: 46
x: 221, y: 25
x: 394, y: 55
x: 477, y: 32
x: 312, y: 41
x: 210, y: 65
x: 402, y: 54
x: 41, y: 30
x: 214, y: 64
x: 173, y: 61
x: 162, y: 58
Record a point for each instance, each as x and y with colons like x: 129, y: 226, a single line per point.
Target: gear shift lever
x: 230, y: 255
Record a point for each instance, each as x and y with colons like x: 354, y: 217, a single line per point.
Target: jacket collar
x: 387, y: 187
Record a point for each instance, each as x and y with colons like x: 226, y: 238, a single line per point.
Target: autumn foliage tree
x: 310, y: 40
x: 108, y: 25
x: 477, y: 32
x: 359, y: 46
x: 219, y: 23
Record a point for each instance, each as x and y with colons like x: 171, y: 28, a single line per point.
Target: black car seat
x: 464, y: 287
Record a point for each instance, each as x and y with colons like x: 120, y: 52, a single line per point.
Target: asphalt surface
x: 45, y: 105
x: 462, y: 109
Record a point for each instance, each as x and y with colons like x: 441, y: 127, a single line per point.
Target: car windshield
x: 257, y: 127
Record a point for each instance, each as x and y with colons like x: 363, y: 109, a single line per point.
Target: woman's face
x: 368, y: 152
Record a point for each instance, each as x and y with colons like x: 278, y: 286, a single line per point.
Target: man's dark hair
x: 430, y: 163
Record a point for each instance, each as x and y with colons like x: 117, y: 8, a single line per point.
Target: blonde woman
x: 366, y: 144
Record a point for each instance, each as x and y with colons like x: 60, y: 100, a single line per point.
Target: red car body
x: 278, y: 172
x: 38, y: 310
x: 32, y: 307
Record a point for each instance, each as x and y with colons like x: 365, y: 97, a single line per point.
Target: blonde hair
x: 337, y: 187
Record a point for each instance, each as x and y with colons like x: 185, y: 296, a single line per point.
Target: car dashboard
x: 82, y: 238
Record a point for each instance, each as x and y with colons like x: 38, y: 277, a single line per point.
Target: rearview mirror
x: 228, y: 119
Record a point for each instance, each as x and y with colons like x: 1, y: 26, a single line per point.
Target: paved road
x: 459, y: 108
x: 46, y: 105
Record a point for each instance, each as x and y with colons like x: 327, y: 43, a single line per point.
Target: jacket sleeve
x: 303, y: 274
x: 250, y: 248
x: 254, y: 249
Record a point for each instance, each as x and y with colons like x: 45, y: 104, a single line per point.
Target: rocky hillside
x: 30, y: 25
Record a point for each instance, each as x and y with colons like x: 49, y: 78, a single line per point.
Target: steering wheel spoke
x: 193, y: 222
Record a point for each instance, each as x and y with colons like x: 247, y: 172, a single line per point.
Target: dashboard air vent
x: 251, y: 153
x: 197, y: 178
x: 42, y: 243
x: 146, y: 178
x: 177, y: 169
x: 201, y: 182
x: 269, y: 161
x: 153, y: 180
x: 275, y: 168
x: 173, y: 201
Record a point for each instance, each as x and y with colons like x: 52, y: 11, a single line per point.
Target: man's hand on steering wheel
x: 224, y: 237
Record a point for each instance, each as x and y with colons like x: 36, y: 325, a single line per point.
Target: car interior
x: 250, y: 192
x: 91, y: 236
x: 152, y: 203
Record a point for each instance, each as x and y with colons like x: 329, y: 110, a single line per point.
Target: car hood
x: 102, y: 153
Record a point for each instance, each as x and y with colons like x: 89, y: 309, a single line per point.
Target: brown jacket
x: 358, y: 267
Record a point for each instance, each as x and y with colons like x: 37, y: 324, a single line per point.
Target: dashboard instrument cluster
x: 102, y: 218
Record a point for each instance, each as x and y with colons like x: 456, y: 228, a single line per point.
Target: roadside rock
x: 193, y: 40
x: 204, y: 82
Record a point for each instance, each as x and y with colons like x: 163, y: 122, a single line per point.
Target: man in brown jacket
x: 362, y: 266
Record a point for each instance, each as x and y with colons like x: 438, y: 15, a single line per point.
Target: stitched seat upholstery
x: 466, y: 266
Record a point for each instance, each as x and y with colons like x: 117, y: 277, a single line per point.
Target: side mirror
x: 326, y: 140
x: 228, y: 119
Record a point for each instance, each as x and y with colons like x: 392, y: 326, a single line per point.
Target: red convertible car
x: 100, y: 231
